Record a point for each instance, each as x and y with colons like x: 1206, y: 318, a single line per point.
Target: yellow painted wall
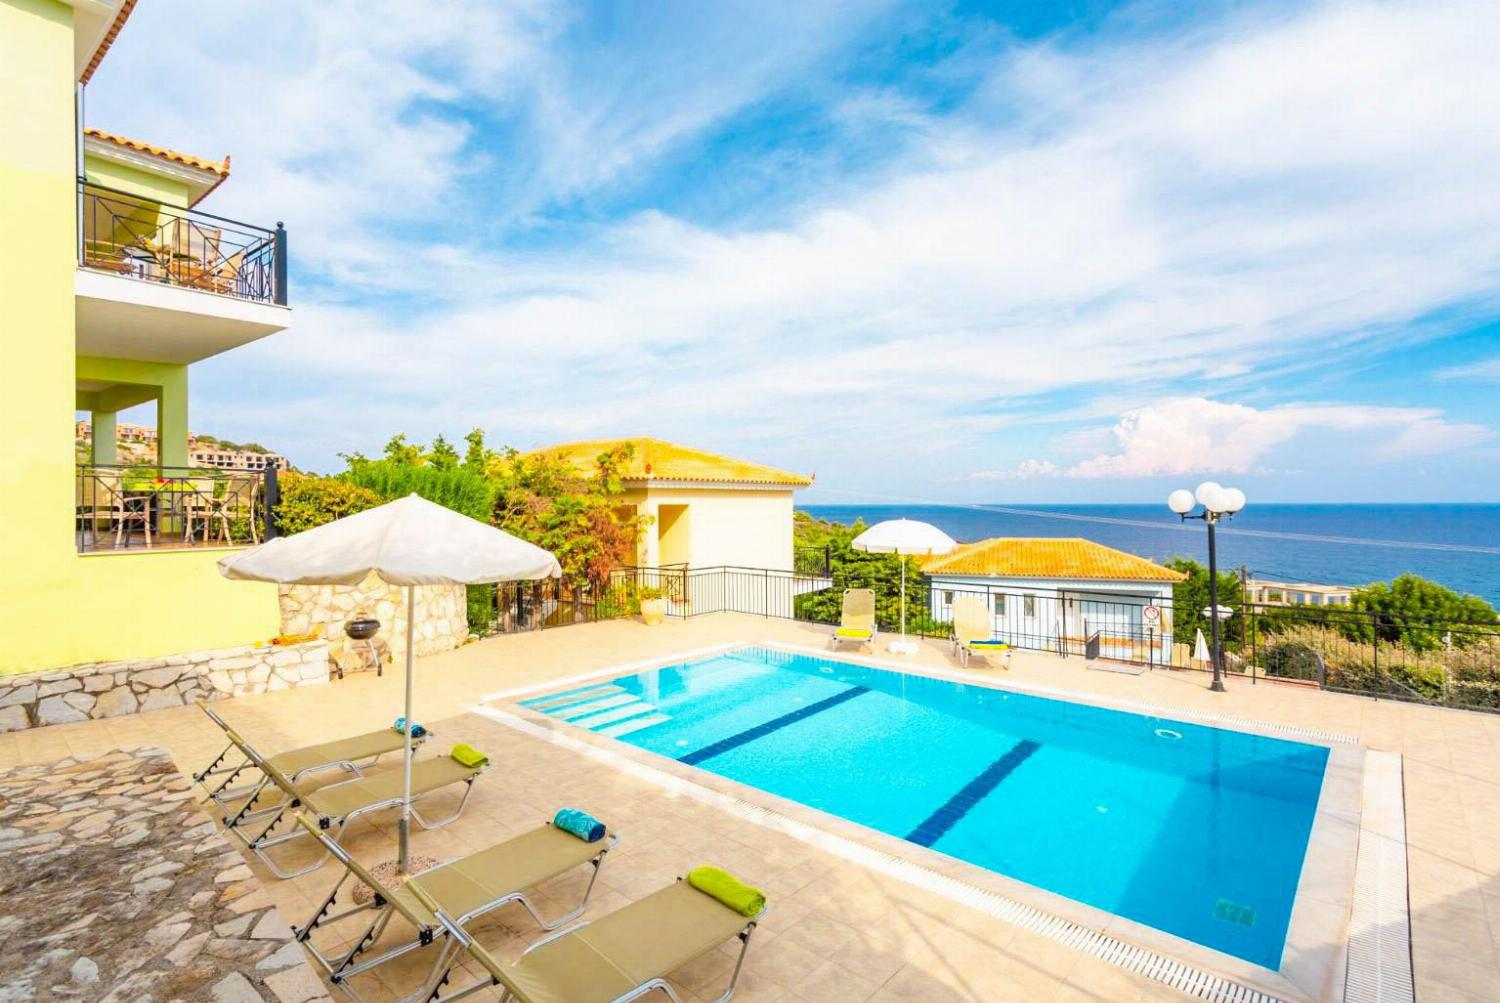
x: 168, y: 191
x: 750, y: 529
x: 61, y: 608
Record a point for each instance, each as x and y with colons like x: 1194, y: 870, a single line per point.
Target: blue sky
x: 1009, y: 252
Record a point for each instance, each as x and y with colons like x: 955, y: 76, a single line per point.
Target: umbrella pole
x: 903, y: 599
x: 405, y: 826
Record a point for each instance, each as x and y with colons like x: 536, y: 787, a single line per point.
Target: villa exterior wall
x: 63, y: 608
x: 114, y: 689
x: 726, y: 527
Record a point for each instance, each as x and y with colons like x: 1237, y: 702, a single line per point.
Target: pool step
x: 590, y: 707
x: 610, y: 715
x: 634, y: 724
x: 551, y: 703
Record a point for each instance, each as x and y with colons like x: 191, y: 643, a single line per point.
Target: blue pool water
x: 1193, y: 830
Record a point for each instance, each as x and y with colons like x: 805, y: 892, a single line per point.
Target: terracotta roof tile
x: 109, y: 39
x: 220, y: 167
x: 1044, y: 557
x: 658, y: 460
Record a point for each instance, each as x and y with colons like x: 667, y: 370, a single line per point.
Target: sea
x: 1455, y: 545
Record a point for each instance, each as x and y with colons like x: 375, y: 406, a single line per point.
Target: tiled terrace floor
x: 837, y: 932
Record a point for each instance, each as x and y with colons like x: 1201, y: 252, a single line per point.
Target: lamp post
x: 1218, y: 503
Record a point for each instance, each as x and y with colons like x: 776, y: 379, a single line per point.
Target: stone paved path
x: 114, y: 887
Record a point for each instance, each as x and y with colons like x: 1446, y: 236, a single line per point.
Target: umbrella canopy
x: 409, y: 542
x: 1200, y: 648
x: 906, y: 537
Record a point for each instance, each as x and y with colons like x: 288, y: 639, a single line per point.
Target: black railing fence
x: 128, y: 235
x: 119, y: 506
x: 1376, y: 654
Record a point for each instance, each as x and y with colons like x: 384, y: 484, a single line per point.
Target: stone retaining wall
x: 112, y: 689
x: 442, y: 622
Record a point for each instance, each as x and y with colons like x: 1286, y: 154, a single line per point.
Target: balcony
x: 161, y: 283
x: 145, y: 507
x: 126, y: 235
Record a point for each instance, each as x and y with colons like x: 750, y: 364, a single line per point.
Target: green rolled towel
x: 728, y: 889
x: 469, y: 756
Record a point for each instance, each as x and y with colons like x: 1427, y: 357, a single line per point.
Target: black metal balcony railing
x: 119, y: 506
x: 128, y: 235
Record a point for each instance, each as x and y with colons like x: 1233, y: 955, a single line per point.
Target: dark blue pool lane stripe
x: 723, y: 745
x: 936, y: 825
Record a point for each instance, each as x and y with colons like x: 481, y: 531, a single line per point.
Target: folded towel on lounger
x: 466, y: 754
x: 580, y: 823
x: 417, y: 731
x: 728, y: 889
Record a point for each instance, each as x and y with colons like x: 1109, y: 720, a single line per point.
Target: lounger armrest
x: 555, y: 935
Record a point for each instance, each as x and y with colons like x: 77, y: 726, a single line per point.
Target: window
x: 999, y: 605
x: 948, y: 597
x: 1030, y: 606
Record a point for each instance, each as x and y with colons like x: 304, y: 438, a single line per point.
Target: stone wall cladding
x: 442, y: 622
x: 112, y: 689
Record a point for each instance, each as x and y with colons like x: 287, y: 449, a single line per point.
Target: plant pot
x: 653, y: 611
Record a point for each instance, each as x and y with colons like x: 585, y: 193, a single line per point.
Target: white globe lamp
x: 1180, y: 501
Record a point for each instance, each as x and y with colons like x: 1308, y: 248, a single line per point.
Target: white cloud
x: 1194, y: 435
x: 1484, y: 369
x: 1263, y: 192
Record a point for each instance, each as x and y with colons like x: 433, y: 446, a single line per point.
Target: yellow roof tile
x: 658, y: 460
x: 1046, y: 557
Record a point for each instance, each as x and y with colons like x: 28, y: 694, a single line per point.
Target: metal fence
x: 119, y: 506
x: 124, y: 234
x: 1376, y: 654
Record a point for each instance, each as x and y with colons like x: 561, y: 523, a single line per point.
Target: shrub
x: 308, y: 501
x: 460, y: 490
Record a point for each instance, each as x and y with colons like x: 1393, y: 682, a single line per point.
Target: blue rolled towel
x: 580, y: 823
x: 417, y: 731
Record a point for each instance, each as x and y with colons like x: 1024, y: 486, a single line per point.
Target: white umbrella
x: 1200, y: 648
x: 408, y: 542
x: 906, y: 538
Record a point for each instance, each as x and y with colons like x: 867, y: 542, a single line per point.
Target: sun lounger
x: 336, y: 805
x: 352, y: 755
x: 623, y: 956
x: 465, y: 889
x: 973, y: 633
x: 857, y: 622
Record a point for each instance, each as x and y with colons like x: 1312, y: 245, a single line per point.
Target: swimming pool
x: 1197, y: 831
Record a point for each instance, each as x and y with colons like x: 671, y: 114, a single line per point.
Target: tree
x: 1190, y: 599
x: 577, y: 515
x: 398, y: 450
x: 442, y: 455
x: 1417, y: 612
x: 477, y: 458
x: 856, y: 569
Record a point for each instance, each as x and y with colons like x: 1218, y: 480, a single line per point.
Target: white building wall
x: 1035, y: 612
